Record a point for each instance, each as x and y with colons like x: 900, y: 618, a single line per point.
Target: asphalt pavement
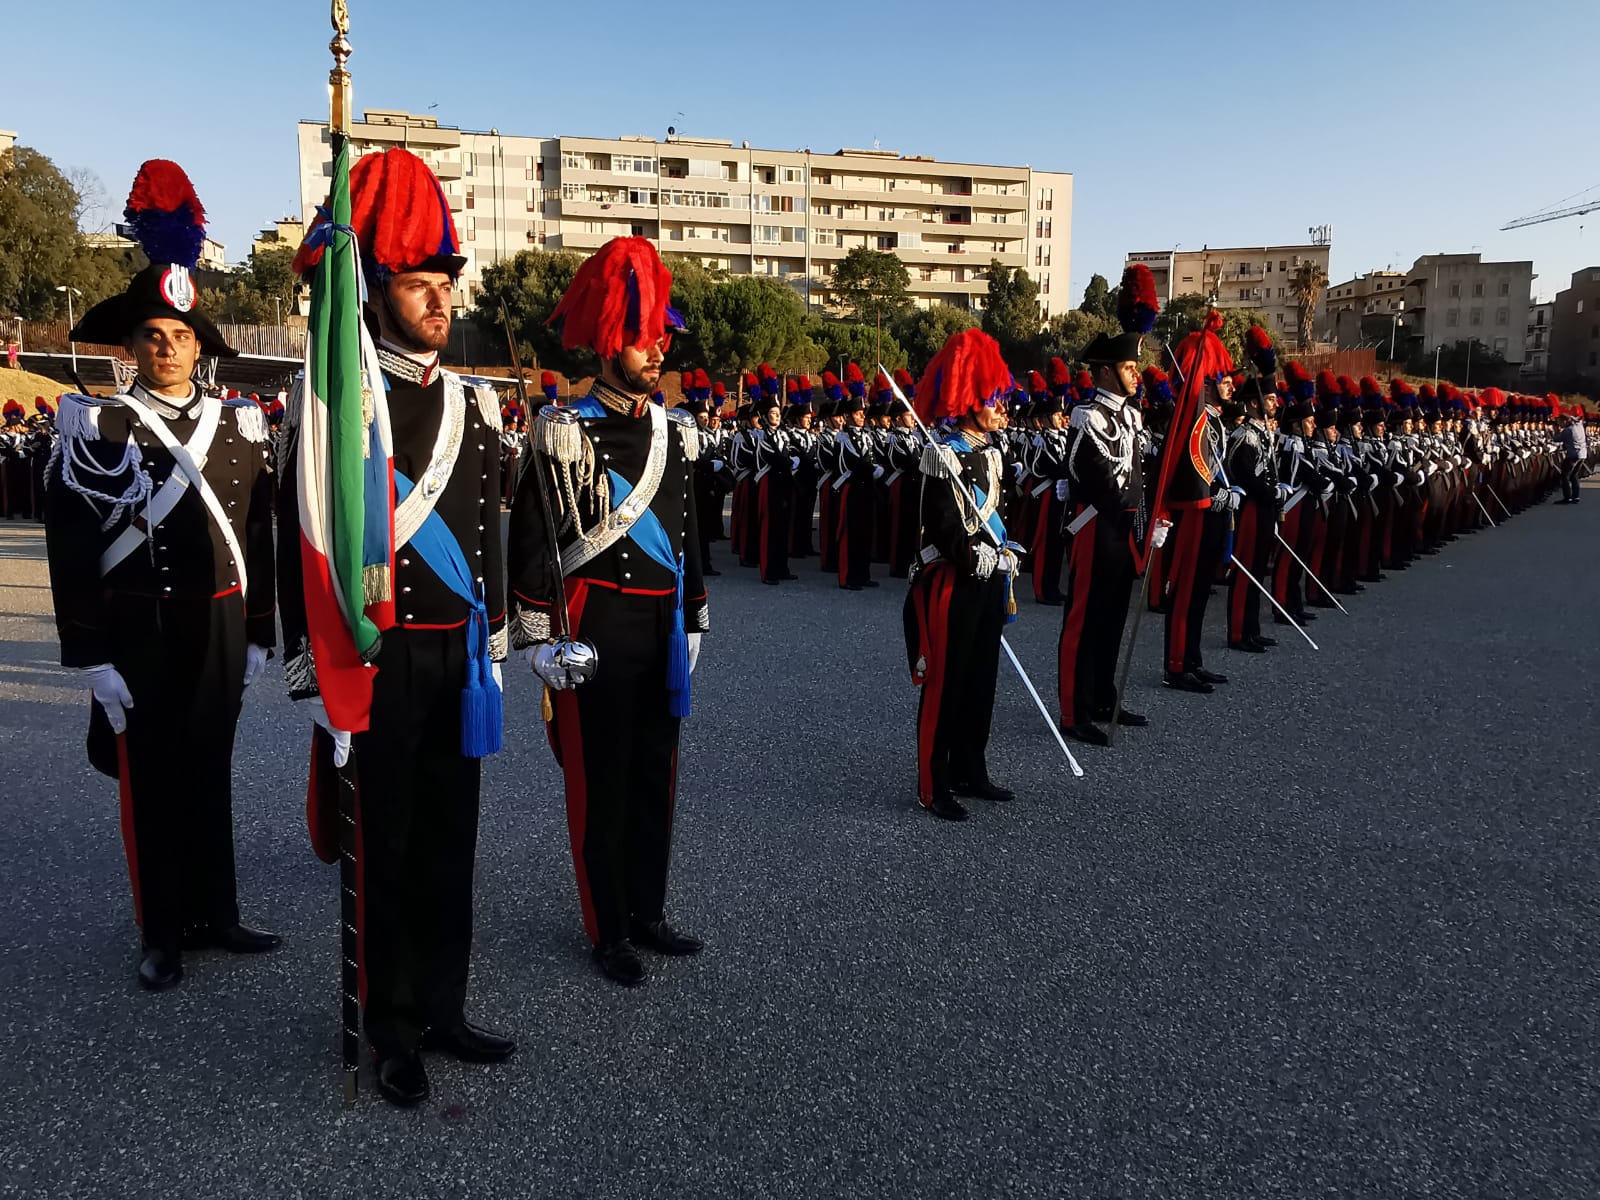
x: 1332, y: 932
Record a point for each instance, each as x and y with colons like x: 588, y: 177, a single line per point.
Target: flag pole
x: 339, y: 101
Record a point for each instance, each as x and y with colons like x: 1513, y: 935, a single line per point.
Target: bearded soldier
x: 604, y: 548
x: 159, y: 534
x: 418, y: 764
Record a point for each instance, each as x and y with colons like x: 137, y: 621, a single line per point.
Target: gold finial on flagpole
x: 339, y: 77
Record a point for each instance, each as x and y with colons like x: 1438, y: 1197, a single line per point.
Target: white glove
x: 1009, y: 564
x: 1158, y: 535
x: 1327, y: 491
x: 111, y: 692
x: 1372, y: 484
x: 548, y: 669
x: 1063, y: 489
x: 498, y: 675
x: 1418, y: 478
x: 1284, y: 492
x: 794, y: 462
x: 1017, y: 471
x: 877, y: 472
x: 694, y: 651
x: 255, y: 662
x: 341, y: 737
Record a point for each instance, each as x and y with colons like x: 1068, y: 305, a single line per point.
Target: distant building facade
x: 1459, y: 297
x: 791, y: 214
x: 1536, y: 342
x: 1239, y: 277
x: 1575, y: 334
x: 1366, y: 310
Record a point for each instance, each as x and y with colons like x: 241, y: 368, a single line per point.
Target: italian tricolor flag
x: 346, y: 477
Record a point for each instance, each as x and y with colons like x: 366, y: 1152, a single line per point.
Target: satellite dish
x: 672, y: 131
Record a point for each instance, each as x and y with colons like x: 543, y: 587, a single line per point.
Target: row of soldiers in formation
x: 175, y: 554
x: 26, y: 443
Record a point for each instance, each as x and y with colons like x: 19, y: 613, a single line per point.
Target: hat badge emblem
x: 177, y: 288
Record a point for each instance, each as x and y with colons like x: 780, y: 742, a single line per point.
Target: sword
x: 1307, y: 570
x: 1127, y: 655
x: 1004, y: 645
x: 349, y: 938
x: 1275, y: 604
x: 1497, y: 499
x: 1483, y: 510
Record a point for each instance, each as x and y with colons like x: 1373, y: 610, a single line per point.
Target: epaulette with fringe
x: 252, y: 421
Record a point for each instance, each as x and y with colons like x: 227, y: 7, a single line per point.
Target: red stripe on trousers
x: 570, y: 734
x: 130, y: 840
x: 1080, y: 571
x: 1244, y: 544
x: 933, y: 625
x: 764, y: 508
x: 1041, y: 539
x: 1280, y: 577
x: 1185, y: 566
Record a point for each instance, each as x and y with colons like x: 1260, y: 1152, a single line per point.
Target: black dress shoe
x: 709, y: 571
x: 1126, y: 718
x: 772, y: 582
x: 1053, y: 601
x: 402, y: 1081
x: 159, y: 969
x: 1089, y: 735
x: 1262, y: 640
x: 1209, y: 676
x: 235, y: 939
x: 870, y: 583
x: 1188, y: 681
x: 851, y: 587
x: 1247, y: 647
x: 620, y: 961
x: 467, y: 1043
x: 788, y: 578
x: 987, y: 790
x: 664, y: 939
x: 947, y: 808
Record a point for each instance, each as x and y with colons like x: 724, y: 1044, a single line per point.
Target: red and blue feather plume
x: 1137, y: 303
x: 168, y: 220
x: 1258, y: 348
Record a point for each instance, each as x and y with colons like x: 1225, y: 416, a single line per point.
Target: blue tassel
x: 678, y: 658
x: 482, y: 708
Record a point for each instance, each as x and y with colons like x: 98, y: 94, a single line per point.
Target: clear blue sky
x: 1412, y: 126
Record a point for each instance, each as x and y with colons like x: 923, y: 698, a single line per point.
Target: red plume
x: 1327, y: 385
x: 547, y: 379
x: 701, y: 379
x: 1256, y: 341
x: 623, y: 282
x: 965, y: 374
x: 1060, y: 376
x: 1370, y: 389
x: 852, y: 374
x: 1213, y: 321
x: 1036, y: 383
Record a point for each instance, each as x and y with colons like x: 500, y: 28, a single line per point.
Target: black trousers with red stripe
x: 856, y: 520
x: 183, y: 662
x: 1100, y: 575
x: 1252, y: 540
x: 1194, y: 549
x: 1049, y: 547
x: 905, y: 498
x: 953, y: 625
x: 617, y: 744
x: 417, y: 828
x: 775, y: 494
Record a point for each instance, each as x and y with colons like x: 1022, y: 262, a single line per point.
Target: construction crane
x: 1538, y: 218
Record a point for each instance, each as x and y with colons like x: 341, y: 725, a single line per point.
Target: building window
x: 1453, y: 317
x: 1500, y: 345
x: 1505, y: 288
x: 469, y: 162
x: 1501, y: 316
x: 572, y: 160
x: 1455, y: 291
x: 1593, y: 358
x: 628, y: 164
x: 1038, y: 228
x: 1476, y: 317
x: 793, y: 175
x: 1280, y: 293
x: 1594, y: 332
x: 1282, y: 265
x: 1044, y: 285
x: 1477, y: 289
x: 472, y: 229
x: 1047, y: 227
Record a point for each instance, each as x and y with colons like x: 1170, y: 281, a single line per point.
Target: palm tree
x: 1306, y: 287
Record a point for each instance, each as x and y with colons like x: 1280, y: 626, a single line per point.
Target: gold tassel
x: 375, y: 588
x: 545, y: 710
x: 1011, y: 597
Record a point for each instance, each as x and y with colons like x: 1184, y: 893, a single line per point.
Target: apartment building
x: 1575, y: 334
x: 791, y: 214
x: 286, y: 233
x: 1458, y: 297
x: 1238, y: 277
x: 1366, y: 309
x: 213, y: 254
x: 1536, y: 341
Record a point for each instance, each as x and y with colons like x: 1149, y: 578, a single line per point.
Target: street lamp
x: 71, y: 292
x: 1394, y: 331
x: 278, y: 301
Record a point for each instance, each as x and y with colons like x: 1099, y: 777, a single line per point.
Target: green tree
x: 1011, y: 315
x: 1184, y: 314
x: 871, y: 285
x: 531, y: 283
x: 922, y: 332
x: 1098, y: 300
x: 39, y: 239
x: 751, y: 319
x: 268, y: 274
x: 692, y: 285
x: 851, y: 340
x: 1067, y: 334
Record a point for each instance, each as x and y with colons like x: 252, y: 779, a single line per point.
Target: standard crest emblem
x: 178, y: 288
